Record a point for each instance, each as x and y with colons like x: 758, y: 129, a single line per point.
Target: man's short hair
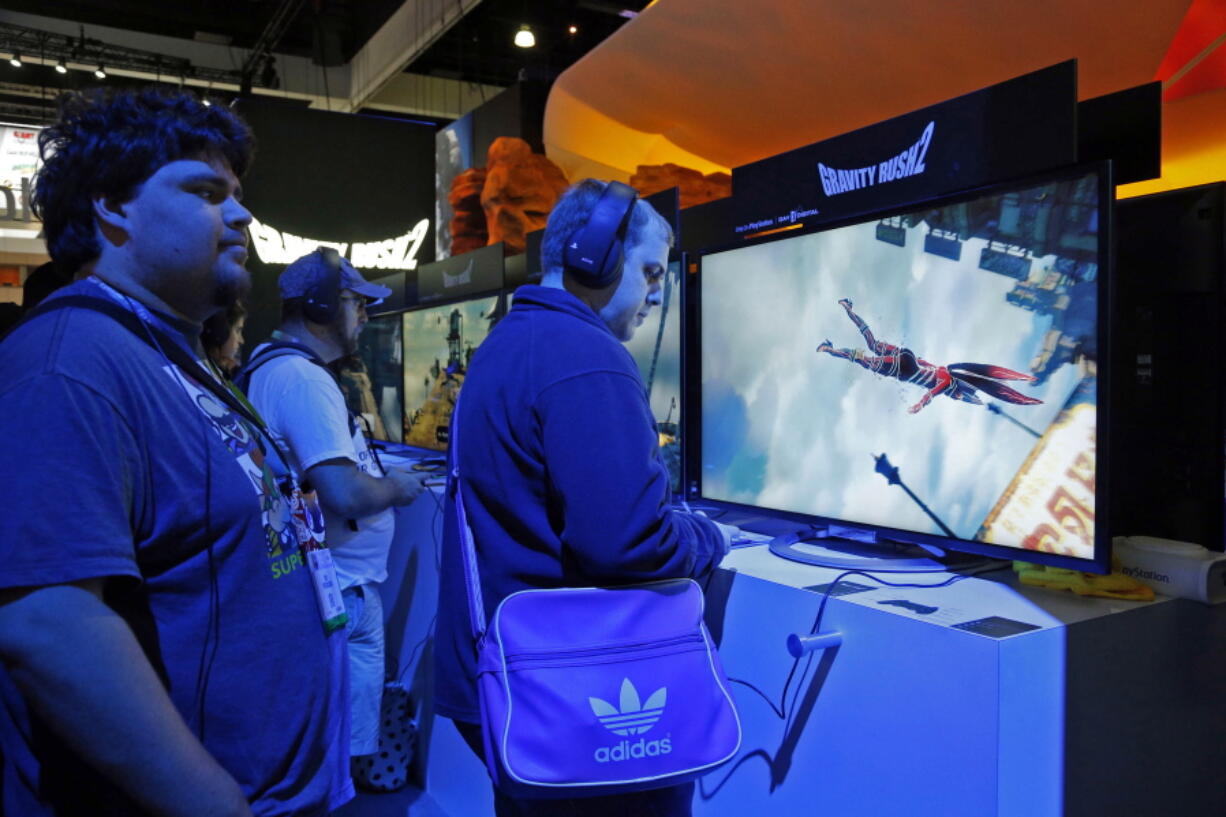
x: 108, y: 143
x: 572, y: 212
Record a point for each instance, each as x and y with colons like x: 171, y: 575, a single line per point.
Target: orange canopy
x: 713, y: 84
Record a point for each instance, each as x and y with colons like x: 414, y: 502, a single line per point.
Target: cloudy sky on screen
x: 787, y: 428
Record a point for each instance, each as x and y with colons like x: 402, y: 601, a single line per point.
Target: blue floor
x: 408, y: 802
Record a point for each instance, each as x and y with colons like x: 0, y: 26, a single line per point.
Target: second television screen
x: 656, y: 348
x: 438, y: 344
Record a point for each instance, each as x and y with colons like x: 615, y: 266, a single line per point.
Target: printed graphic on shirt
x: 276, y: 510
x: 309, y: 520
x: 367, y: 462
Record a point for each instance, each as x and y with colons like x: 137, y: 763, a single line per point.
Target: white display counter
x: 1104, y: 707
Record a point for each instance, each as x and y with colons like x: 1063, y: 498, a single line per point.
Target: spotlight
x: 208, y: 103
x: 573, y: 29
x: 100, y: 71
x: 15, y: 60
x: 524, y: 38
x: 61, y: 68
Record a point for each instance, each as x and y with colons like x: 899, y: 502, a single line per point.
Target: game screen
x: 438, y: 344
x: 933, y: 372
x: 656, y: 347
x: 377, y: 379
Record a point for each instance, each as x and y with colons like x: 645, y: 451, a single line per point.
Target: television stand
x: 844, y: 548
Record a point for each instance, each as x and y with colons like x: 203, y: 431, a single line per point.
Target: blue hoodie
x: 563, y: 482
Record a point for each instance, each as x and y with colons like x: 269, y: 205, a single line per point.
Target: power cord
x: 786, y: 709
x: 438, y: 555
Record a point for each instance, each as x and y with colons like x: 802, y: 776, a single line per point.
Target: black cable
x: 778, y: 712
x: 434, y: 521
x: 438, y: 555
x: 416, y: 647
x: 784, y: 710
x: 707, y: 795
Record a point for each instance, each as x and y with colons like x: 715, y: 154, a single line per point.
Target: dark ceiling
x: 477, y: 49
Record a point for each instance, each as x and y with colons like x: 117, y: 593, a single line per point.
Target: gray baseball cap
x: 305, y: 274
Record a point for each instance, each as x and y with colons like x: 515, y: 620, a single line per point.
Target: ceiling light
x: 15, y: 60
x: 208, y: 103
x: 61, y: 68
x: 524, y: 38
x: 573, y: 29
x: 628, y: 14
x: 100, y: 71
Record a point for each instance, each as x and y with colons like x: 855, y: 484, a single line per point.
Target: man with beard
x: 288, y: 380
x: 162, y: 647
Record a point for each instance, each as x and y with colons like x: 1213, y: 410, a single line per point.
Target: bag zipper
x: 568, y: 657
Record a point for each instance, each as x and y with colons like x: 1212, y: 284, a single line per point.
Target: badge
x: 309, y: 523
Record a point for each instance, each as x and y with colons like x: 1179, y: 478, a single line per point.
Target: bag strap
x: 472, y: 577
x: 271, y: 351
x: 169, y: 348
x: 274, y: 349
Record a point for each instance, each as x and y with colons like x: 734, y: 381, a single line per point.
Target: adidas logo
x: 633, y: 717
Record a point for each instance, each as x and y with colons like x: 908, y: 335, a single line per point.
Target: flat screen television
x: 439, y: 342
x: 378, y: 392
x: 656, y: 348
x: 929, y: 375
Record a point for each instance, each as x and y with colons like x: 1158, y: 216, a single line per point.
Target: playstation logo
x: 633, y: 717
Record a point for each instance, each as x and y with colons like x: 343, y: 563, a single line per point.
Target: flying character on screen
x: 961, y: 381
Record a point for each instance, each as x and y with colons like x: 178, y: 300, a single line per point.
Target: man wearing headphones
x: 323, y: 311
x: 562, y: 479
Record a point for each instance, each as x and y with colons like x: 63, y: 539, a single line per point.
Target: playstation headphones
x: 595, y: 252
x: 322, y: 301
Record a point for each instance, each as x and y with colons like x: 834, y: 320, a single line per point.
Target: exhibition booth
x: 944, y: 346
x: 882, y: 648
x: 21, y: 245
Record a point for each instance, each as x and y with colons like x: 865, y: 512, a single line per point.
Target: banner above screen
x: 1019, y: 127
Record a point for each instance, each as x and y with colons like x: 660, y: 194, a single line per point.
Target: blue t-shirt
x: 115, y: 464
x: 563, y: 481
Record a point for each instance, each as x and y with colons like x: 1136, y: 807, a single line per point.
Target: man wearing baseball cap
x: 287, y: 379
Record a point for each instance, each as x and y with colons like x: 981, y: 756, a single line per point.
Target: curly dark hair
x: 108, y: 143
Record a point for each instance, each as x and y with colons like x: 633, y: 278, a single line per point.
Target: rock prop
x: 468, y: 219
x: 694, y: 187
x: 521, y: 187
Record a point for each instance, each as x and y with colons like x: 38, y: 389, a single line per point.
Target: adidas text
x: 639, y: 748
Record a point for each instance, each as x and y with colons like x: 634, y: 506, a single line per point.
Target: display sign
x: 524, y: 268
x: 361, y: 184
x: 1019, y: 127
x: 275, y: 247
x: 460, y: 276
x: 397, y: 282
x: 18, y: 163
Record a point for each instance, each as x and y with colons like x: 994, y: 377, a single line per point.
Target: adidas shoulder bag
x: 587, y: 691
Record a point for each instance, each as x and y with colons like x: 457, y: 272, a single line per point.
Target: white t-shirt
x: 306, y: 413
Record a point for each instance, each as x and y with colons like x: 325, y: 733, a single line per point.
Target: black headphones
x: 595, y: 252
x: 322, y: 302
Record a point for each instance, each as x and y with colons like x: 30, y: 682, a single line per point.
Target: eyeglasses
x: 360, y: 301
